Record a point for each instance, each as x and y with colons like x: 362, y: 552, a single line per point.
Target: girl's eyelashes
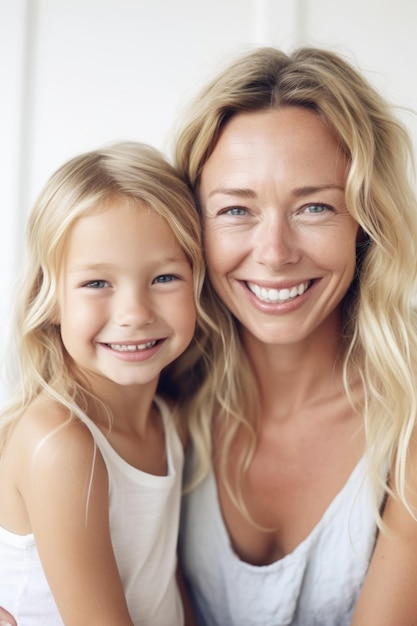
x: 96, y: 284
x: 102, y: 284
x: 165, y: 278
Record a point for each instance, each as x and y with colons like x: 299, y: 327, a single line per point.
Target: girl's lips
x: 131, y: 347
x: 273, y: 295
x: 133, y: 352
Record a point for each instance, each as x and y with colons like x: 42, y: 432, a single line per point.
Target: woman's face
x: 280, y: 242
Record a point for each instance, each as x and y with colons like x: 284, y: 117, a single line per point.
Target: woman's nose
x: 275, y: 243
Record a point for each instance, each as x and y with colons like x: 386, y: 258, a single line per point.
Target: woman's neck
x: 295, y: 375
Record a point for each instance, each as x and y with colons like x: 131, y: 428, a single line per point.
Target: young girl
x: 90, y: 460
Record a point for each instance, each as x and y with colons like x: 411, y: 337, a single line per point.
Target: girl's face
x: 279, y: 240
x: 126, y: 304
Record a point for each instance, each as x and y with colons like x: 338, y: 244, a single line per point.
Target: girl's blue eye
x: 96, y: 284
x: 164, y: 278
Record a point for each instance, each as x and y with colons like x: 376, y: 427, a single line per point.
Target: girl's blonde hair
x: 128, y: 171
x: 380, y: 320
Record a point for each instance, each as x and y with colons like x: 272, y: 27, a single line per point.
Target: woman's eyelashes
x: 316, y: 208
x: 233, y: 211
x: 310, y: 208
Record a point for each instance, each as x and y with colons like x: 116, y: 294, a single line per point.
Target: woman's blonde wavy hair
x: 380, y: 320
x: 126, y: 171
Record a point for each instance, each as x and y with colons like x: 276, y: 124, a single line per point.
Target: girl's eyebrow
x: 86, y: 267
x: 298, y: 192
x: 89, y: 266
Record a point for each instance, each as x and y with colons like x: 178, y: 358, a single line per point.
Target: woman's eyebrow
x: 309, y: 189
x: 299, y: 192
x: 233, y: 191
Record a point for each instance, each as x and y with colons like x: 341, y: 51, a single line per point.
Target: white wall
x: 78, y: 73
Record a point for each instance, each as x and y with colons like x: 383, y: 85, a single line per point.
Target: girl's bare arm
x: 63, y: 482
x: 6, y: 619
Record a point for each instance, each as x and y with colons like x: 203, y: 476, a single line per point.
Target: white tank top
x: 315, y: 585
x: 144, y: 518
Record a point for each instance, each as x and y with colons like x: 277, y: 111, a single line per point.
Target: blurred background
x: 76, y: 74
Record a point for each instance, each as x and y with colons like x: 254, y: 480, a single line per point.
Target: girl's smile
x: 126, y: 299
x: 133, y: 352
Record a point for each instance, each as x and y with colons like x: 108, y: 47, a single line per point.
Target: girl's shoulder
x: 49, y: 456
x: 49, y: 434
x: 45, y: 417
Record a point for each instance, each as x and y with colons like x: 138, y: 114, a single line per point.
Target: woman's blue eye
x: 316, y: 208
x: 96, y: 284
x: 236, y: 210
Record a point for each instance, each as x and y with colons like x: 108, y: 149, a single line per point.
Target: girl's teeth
x: 278, y: 295
x: 120, y: 347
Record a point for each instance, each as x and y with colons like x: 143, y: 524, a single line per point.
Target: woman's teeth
x: 278, y: 295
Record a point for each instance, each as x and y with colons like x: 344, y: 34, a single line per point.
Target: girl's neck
x: 130, y: 407
x: 137, y: 430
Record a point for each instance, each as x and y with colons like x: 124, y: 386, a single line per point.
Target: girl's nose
x: 135, y: 311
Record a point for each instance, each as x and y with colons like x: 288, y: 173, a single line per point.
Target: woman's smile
x: 273, y: 294
x: 279, y: 239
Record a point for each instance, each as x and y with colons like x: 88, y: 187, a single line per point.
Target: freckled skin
x: 272, y: 194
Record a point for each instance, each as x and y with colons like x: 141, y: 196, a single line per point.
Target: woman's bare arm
x: 388, y: 596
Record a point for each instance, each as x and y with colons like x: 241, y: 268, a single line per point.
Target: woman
x: 303, y: 425
x: 299, y: 171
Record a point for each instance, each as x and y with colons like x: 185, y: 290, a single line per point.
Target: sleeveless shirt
x: 144, y: 519
x: 315, y: 585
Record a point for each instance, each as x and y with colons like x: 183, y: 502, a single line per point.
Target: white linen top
x: 315, y: 585
x: 144, y: 519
